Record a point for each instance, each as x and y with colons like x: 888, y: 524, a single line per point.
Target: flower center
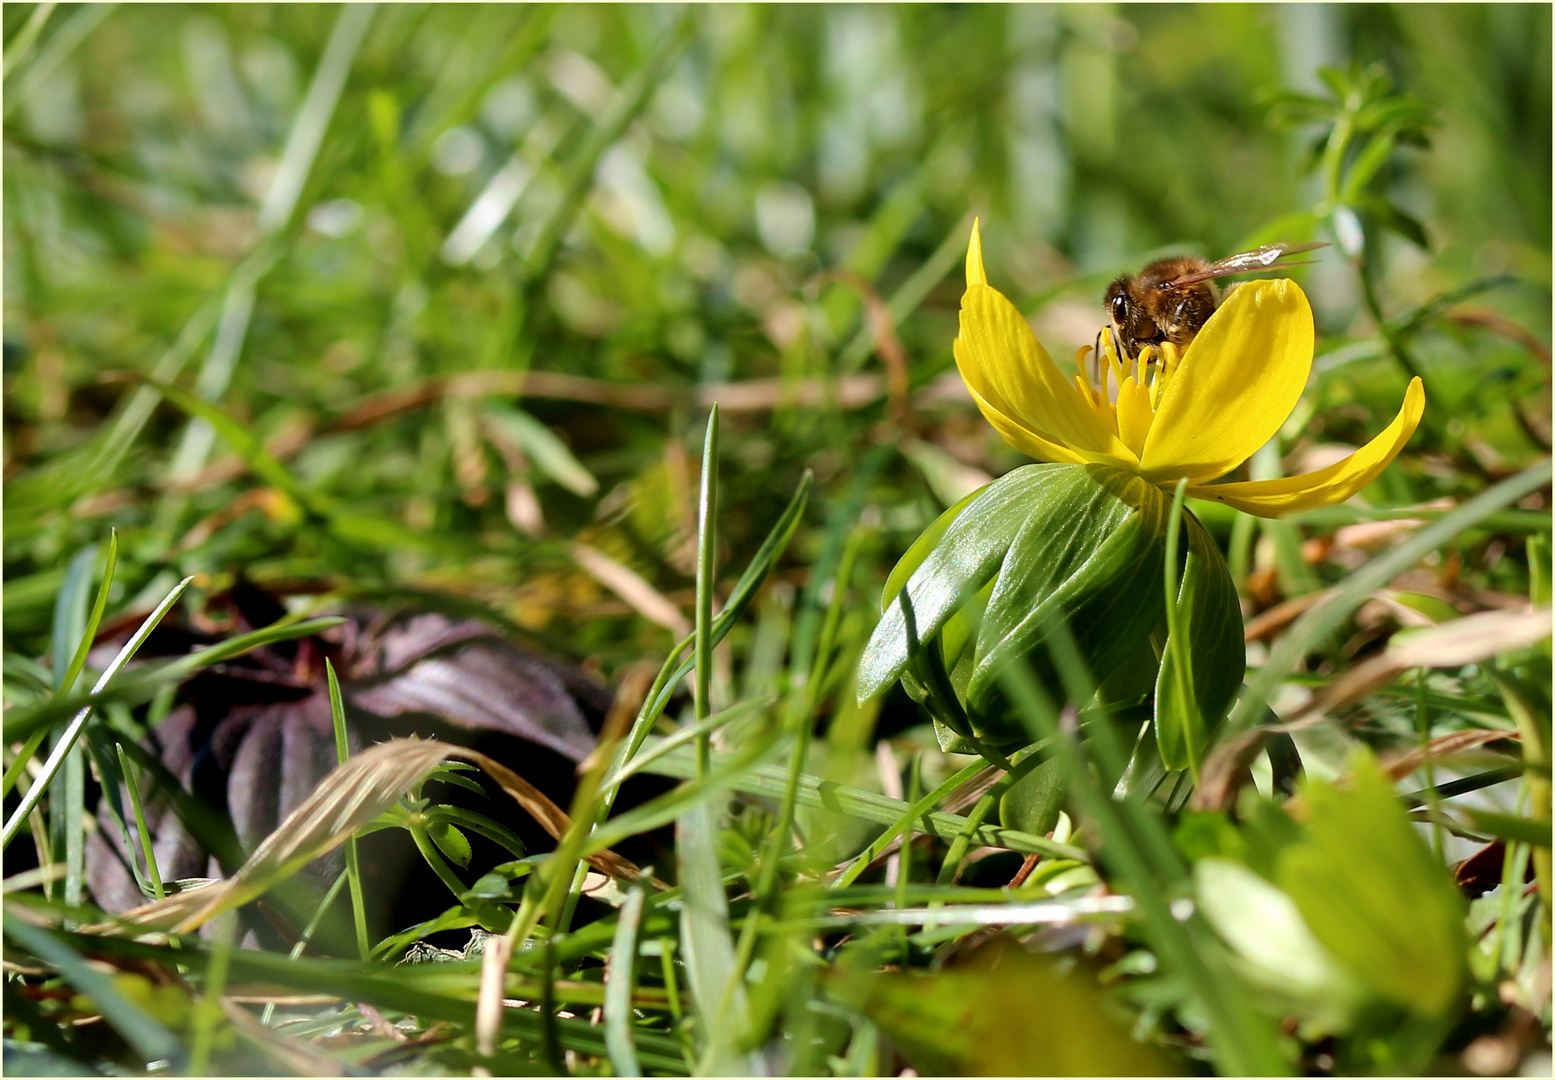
x: 1124, y: 390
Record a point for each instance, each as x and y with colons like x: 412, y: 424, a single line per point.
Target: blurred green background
x: 290, y: 208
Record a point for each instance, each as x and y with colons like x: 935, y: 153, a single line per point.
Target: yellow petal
x: 1022, y: 437
x: 975, y: 274
x: 1235, y: 385
x: 1326, y: 487
x: 1002, y: 362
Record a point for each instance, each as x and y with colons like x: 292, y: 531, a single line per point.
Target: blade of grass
x: 64, y: 40
x: 21, y: 45
x: 707, y: 539
x: 94, y: 620
x: 905, y: 300
x: 132, y: 415
x: 684, y: 736
x: 67, y: 809
x: 127, y: 771
x: 628, y: 101
x: 704, y: 932
x: 704, y: 915
x: 677, y: 666
x: 105, y: 764
x: 337, y: 713
x: 297, y: 160
x: 73, y: 731
x: 70, y: 615
x: 144, y: 685
x: 877, y: 846
x: 307, y: 134
x: 208, y: 1012
x: 618, y: 987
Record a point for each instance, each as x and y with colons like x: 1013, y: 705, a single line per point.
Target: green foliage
x: 977, y: 1019
x: 1373, y: 895
x: 392, y: 307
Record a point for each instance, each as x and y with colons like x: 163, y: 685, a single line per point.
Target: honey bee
x: 1172, y: 299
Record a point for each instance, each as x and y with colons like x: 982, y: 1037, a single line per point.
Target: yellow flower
x: 1197, y: 415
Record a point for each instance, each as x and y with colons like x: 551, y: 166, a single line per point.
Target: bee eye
x: 1119, y: 309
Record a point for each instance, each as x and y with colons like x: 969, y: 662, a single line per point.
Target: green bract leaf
x: 1043, y: 549
x: 1213, y: 651
x: 1370, y: 891
x: 920, y: 549
x: 1033, y: 802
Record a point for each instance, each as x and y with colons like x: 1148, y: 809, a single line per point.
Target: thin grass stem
x: 127, y: 770
x: 337, y: 714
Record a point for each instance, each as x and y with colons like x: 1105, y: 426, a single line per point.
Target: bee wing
x: 1258, y: 259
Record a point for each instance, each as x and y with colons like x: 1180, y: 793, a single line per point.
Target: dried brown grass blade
x: 350, y: 797
x: 1469, y: 640
x: 1396, y: 768
x: 631, y: 587
x: 552, y: 818
x: 488, y: 1006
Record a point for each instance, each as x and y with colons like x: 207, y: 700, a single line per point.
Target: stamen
x: 1084, y: 364
x: 1114, y: 366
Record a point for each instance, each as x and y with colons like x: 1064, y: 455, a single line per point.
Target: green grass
x: 395, y: 306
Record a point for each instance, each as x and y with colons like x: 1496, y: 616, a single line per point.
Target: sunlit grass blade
x: 32, y: 70
x: 628, y: 101
x: 678, y: 665
x: 132, y: 785
x: 707, y: 541
x: 143, y: 685
x: 68, y: 738
x: 337, y: 713
x: 618, y: 990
